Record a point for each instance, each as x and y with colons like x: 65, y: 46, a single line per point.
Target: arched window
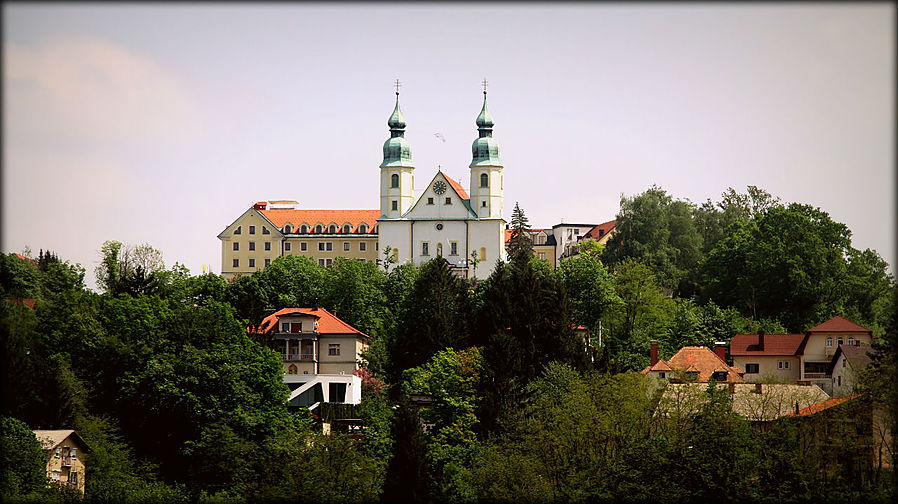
x: 332, y: 229
x: 347, y: 228
x: 484, y: 180
x: 850, y: 341
x: 292, y: 369
x: 288, y: 228
x: 319, y: 229
x: 483, y: 253
x: 363, y: 228
x: 439, y: 250
x: 303, y: 229
x: 394, y: 180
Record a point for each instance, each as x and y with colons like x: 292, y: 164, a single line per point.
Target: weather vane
x: 484, y: 85
x: 397, y: 84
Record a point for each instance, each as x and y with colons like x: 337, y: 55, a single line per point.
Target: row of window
x: 303, y: 246
x: 331, y: 229
x: 484, y: 180
x: 252, y: 230
x: 756, y: 368
x: 252, y: 262
x: 453, y: 250
x: 839, y: 341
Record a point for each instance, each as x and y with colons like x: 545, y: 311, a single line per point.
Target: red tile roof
x: 604, y: 227
x: 30, y: 261
x: 774, y: 344
x: 822, y: 405
x: 328, y: 323
x: 279, y: 217
x: 839, y: 324
x: 18, y: 302
x: 458, y: 188
x: 699, y: 359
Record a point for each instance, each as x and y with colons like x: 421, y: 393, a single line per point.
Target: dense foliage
x: 529, y: 374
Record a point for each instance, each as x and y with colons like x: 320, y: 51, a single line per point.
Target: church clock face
x: 439, y: 187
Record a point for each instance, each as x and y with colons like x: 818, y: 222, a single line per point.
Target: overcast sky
x: 162, y: 123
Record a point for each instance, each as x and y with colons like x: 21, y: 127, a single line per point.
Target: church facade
x: 464, y: 227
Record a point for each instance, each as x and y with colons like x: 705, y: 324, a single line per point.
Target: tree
x: 129, y: 270
x: 660, y: 231
x: 24, y: 464
x: 713, y: 220
x: 591, y: 290
x: 789, y: 264
x: 520, y: 245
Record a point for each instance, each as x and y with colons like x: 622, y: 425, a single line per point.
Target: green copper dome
x: 396, y: 149
x: 485, y: 149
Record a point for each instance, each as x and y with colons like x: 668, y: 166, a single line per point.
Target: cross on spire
x: 397, y: 84
x: 484, y: 85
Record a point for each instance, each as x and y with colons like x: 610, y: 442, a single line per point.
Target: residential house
x: 845, y: 367
x: 320, y: 353
x: 797, y: 357
x: 756, y: 402
x: 693, y: 363
x: 65, y: 463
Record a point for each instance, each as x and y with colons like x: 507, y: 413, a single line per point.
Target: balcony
x: 295, y: 356
x: 67, y: 461
x: 816, y: 376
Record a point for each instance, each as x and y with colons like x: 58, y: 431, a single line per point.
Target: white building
x: 445, y: 220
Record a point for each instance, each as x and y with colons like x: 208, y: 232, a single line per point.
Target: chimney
x: 760, y: 341
x: 720, y: 349
x: 757, y: 388
x: 653, y: 353
x: 732, y: 387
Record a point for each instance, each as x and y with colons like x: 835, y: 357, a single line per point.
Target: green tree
x: 660, y: 231
x: 591, y: 290
x: 713, y: 220
x: 520, y: 245
x: 23, y: 469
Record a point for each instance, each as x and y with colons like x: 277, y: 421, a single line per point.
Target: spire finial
x: 397, y: 84
x: 484, y: 86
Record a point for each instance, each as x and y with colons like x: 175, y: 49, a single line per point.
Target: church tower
x: 397, y: 174
x: 486, y: 169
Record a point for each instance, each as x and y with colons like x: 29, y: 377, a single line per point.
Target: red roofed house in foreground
x: 320, y: 353
x: 797, y: 357
x: 693, y: 363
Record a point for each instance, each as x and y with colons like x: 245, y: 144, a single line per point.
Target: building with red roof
x: 320, y: 353
x: 693, y: 363
x: 797, y: 357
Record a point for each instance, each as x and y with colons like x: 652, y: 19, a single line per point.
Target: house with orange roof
x: 320, y: 353
x: 797, y: 357
x: 65, y: 462
x: 694, y: 364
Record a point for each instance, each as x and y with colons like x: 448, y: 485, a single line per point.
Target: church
x: 464, y: 227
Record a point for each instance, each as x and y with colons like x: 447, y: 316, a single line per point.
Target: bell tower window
x: 484, y: 180
x: 394, y: 181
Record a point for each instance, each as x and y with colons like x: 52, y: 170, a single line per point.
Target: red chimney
x: 720, y: 350
x: 761, y: 341
x: 653, y: 354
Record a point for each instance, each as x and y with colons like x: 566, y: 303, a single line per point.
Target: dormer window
x: 347, y: 229
x: 319, y: 229
x: 332, y: 229
x: 303, y: 229
x: 363, y: 228
x: 288, y: 228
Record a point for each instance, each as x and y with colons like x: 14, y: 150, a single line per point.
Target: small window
x: 362, y: 228
x: 839, y: 341
x: 236, y: 245
x: 329, y: 246
x: 303, y: 246
x: 779, y: 364
x: 288, y: 228
x: 363, y: 246
x: 238, y: 230
x: 320, y: 262
x: 395, y: 205
x: 332, y: 229
x: 292, y: 369
x: 785, y: 364
x: 287, y: 246
x: 430, y: 201
x: 252, y: 262
x: 345, y: 246
x: 321, y: 246
x: 333, y: 349
x: 484, y: 180
x: 448, y: 201
x: 394, y: 181
x: 483, y: 204
x: 327, y: 262
x: 483, y: 253
x: 453, y: 248
x: 265, y: 230
x: 303, y: 229
x: 851, y: 341
x: 252, y: 245
x: 662, y: 375
x: 751, y: 368
x: 267, y: 245
x: 347, y: 229
x: 319, y: 229
x: 235, y: 263
x: 267, y: 262
x: 542, y: 255
x: 840, y: 381
x: 73, y: 477
x: 425, y: 248
x: 829, y: 341
x: 252, y: 230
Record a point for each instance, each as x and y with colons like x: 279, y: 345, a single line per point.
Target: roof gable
x: 328, y: 323
x: 601, y: 230
x: 50, y: 439
x: 253, y: 210
x: 839, y: 324
x: 768, y: 344
x: 703, y: 361
x: 459, y: 209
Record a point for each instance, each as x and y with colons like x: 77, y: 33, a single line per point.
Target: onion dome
x: 396, y: 149
x: 485, y: 149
